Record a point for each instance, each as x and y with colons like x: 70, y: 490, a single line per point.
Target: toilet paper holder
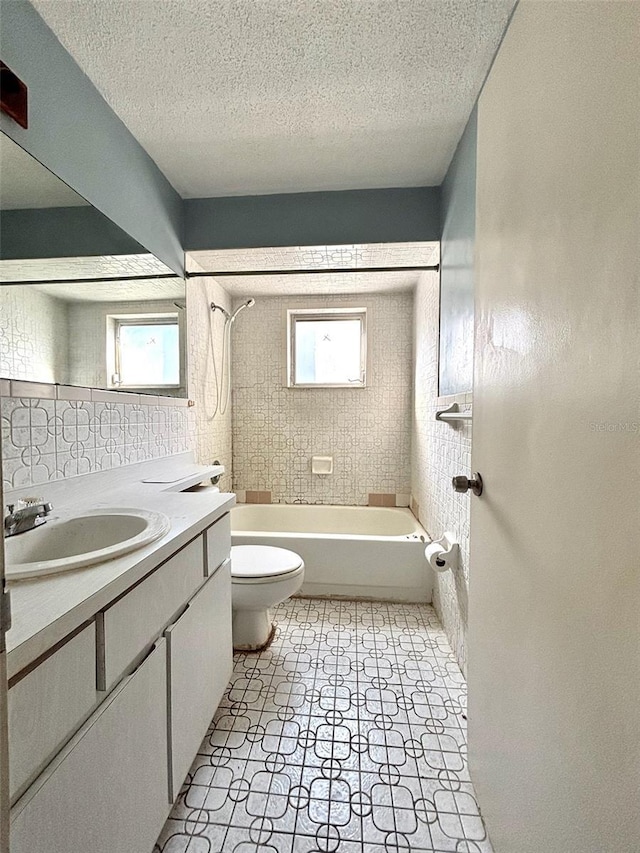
x: 443, y: 553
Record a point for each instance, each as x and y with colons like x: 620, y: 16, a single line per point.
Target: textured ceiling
x: 319, y: 285
x: 116, y: 291
x: 258, y: 96
x: 316, y: 258
x: 37, y: 269
x: 25, y: 183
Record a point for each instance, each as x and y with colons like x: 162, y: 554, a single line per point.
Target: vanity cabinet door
x: 48, y: 704
x: 218, y: 539
x: 127, y: 627
x: 106, y: 791
x: 200, y: 660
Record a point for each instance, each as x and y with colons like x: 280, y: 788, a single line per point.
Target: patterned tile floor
x: 346, y: 736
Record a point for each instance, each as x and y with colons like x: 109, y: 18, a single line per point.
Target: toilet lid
x: 262, y: 561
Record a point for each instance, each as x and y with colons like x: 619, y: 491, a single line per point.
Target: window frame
x: 115, y: 322
x: 294, y: 315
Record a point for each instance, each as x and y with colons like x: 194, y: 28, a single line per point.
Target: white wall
x: 439, y: 451
x: 213, y: 433
x: 277, y: 429
x: 33, y: 335
x: 554, y: 631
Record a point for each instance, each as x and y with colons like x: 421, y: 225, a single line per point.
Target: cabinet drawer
x: 200, y: 659
x: 48, y: 705
x: 107, y: 790
x: 136, y: 619
x: 218, y: 539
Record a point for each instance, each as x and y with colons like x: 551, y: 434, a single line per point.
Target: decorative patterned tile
x: 277, y: 429
x: 44, y: 440
x: 334, y: 740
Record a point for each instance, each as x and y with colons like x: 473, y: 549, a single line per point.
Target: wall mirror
x: 81, y: 302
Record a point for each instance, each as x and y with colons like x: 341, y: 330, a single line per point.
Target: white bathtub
x: 368, y: 552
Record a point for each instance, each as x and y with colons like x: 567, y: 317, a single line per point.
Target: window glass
x: 149, y: 354
x: 327, y: 350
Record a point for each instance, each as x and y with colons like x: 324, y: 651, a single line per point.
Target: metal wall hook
x: 463, y: 484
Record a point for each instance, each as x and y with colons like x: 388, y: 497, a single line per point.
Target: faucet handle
x: 10, y: 508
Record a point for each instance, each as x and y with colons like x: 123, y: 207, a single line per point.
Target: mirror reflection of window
x: 64, y: 268
x: 147, y: 352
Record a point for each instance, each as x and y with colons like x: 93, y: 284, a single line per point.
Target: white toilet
x: 261, y: 577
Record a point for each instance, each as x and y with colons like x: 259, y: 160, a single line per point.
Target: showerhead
x: 248, y: 304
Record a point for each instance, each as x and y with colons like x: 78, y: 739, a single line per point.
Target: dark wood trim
x: 13, y: 96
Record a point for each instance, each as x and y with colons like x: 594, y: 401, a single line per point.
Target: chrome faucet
x: 30, y: 516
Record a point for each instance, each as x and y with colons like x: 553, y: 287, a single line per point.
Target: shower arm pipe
x: 230, y: 318
x: 222, y: 310
x: 327, y: 271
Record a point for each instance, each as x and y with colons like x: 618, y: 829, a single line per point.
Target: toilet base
x: 261, y: 648
x: 252, y: 630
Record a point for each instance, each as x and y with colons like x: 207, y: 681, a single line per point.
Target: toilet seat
x: 262, y: 563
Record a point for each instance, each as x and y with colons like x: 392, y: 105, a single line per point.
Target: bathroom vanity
x: 115, y: 672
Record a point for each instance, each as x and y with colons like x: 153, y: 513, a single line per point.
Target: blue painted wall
x: 319, y: 218
x: 75, y: 134
x: 62, y: 232
x: 456, y: 270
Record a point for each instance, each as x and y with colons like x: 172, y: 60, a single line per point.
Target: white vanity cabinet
x: 217, y: 543
x: 158, y: 659
x: 135, y: 619
x: 48, y: 703
x: 200, y: 659
x: 106, y: 792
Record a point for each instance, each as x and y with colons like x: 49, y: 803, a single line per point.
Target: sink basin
x: 83, y: 540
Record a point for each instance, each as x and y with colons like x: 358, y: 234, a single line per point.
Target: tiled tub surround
x: 276, y: 430
x: 213, y: 434
x: 52, y: 439
x: 439, y: 452
x: 348, y: 735
x: 32, y: 325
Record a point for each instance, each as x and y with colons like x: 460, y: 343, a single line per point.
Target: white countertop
x: 45, y: 610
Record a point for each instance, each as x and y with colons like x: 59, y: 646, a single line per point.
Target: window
x: 146, y: 350
x: 327, y: 348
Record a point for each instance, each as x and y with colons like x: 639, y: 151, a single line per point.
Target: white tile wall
x: 33, y: 335
x: 440, y: 451
x: 44, y: 440
x: 213, y: 434
x: 277, y: 429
